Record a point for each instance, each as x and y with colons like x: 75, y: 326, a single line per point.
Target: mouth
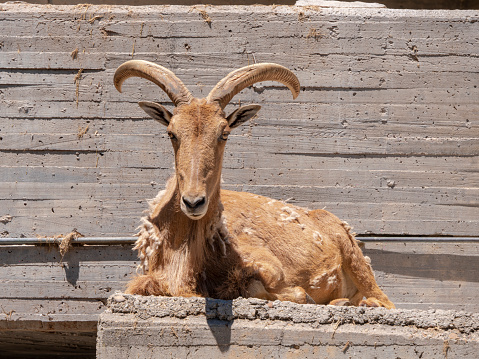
x: 194, y: 214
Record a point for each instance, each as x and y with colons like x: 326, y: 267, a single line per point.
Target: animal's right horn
x: 167, y: 80
x: 246, y: 76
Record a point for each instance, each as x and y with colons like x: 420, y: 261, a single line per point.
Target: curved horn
x: 167, y: 80
x: 246, y: 76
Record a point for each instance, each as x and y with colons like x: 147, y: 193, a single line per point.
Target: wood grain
x: 35, y: 280
x: 384, y: 133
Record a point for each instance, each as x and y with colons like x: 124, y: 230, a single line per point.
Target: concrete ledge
x: 182, y: 327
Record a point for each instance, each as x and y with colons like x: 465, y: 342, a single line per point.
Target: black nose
x: 193, y: 203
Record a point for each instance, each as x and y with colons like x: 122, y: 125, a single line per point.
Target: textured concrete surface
x: 383, y: 134
x: 186, y: 327
x: 392, y: 4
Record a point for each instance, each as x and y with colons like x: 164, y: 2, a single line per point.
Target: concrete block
x: 150, y: 327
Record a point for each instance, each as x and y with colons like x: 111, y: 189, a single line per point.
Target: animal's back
x: 290, y: 245
x: 276, y: 223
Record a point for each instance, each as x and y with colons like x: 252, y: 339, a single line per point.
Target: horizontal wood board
x: 385, y: 133
x: 35, y: 280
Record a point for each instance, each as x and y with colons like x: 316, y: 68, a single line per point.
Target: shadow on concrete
x: 219, y: 314
x: 71, y: 265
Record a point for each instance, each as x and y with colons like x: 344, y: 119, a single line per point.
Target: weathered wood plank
x: 353, y: 99
x: 281, y: 142
x: 30, y: 179
x: 417, y: 275
x: 388, y: 107
x: 414, y: 272
x: 89, y: 273
x: 121, y: 217
x: 161, y: 158
x: 319, y: 118
x: 192, y: 22
x: 43, y: 307
x: 360, y: 71
x: 104, y: 223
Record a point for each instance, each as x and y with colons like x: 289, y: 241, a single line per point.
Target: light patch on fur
x: 273, y: 201
x: 329, y: 279
x: 318, y: 238
x: 141, y: 244
x: 290, y: 215
x: 149, y: 237
x: 246, y: 261
x: 248, y: 231
x: 152, y: 203
x: 223, y: 229
x: 316, y: 281
x: 332, y: 280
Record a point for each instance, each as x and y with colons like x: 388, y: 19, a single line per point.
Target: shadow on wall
x: 392, y: 4
x: 434, y: 266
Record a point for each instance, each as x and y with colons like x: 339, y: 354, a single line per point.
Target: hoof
x: 341, y: 302
x: 375, y: 303
x: 309, y: 299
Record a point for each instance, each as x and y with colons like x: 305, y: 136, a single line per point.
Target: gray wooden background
x: 384, y: 133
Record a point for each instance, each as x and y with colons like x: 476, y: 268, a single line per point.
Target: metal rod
x: 417, y: 239
x: 80, y: 240
x: 131, y: 240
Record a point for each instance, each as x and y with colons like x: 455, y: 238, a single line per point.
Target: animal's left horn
x: 246, y: 76
x: 167, y: 80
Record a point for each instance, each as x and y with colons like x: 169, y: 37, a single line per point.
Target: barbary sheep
x: 200, y: 240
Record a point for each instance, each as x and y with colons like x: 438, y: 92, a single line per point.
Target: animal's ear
x: 242, y: 115
x: 156, y: 111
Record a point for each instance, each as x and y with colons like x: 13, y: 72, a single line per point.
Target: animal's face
x: 198, y: 132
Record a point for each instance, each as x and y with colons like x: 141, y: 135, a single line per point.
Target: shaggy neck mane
x: 178, y: 246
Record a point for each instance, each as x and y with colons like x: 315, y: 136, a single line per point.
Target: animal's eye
x: 224, y: 136
x: 171, y: 135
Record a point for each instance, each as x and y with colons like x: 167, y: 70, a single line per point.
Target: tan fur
x: 240, y: 244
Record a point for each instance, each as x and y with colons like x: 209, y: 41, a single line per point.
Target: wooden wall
x: 384, y: 134
x: 392, y: 4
